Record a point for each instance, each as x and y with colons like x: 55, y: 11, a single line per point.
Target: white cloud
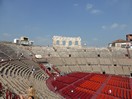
x: 95, y: 11
x: 90, y: 8
x: 114, y: 26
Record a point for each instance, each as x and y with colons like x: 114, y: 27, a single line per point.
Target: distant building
x: 129, y: 37
x: 23, y: 41
x: 60, y: 41
x: 120, y: 43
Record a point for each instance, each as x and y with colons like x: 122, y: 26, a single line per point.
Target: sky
x: 97, y: 22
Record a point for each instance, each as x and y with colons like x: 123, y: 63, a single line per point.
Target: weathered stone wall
x: 59, y: 41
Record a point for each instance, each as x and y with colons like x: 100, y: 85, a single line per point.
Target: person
x: 33, y: 70
x: 31, y: 97
x: 31, y: 93
x: 21, y: 95
x: 110, y: 91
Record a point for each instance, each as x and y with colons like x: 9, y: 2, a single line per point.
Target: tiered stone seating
x: 112, y: 69
x: 119, y: 53
x: 65, y: 69
x: 17, y: 75
x: 20, y: 51
x: 86, y: 68
x: 3, y: 56
x: 75, y: 68
x: 90, y: 54
x: 106, y: 69
x: 104, y: 53
x: 7, y: 52
x: 81, y: 54
x: 118, y: 70
x: 105, y: 61
x: 17, y: 71
x: 124, y: 62
x: 57, y: 61
x: 126, y: 70
x: 70, y: 61
x: 91, y: 59
x: 81, y: 61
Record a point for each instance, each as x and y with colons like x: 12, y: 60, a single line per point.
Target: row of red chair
x: 120, y: 78
x: 73, y: 92
x: 58, y: 85
x: 104, y: 96
x: 90, y: 85
x: 66, y: 79
x: 78, y: 74
x: 93, y: 85
x: 120, y: 84
x: 98, y: 78
x: 78, y: 83
x: 117, y: 92
x: 85, y: 90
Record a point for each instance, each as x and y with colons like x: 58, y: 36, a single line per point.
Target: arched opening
x: 70, y: 43
x: 98, y: 55
x: 63, y: 43
x: 103, y: 72
x: 49, y: 68
x: 131, y: 74
x: 57, y: 42
x: 115, y: 65
x: 76, y: 42
x: 89, y: 64
x: 126, y: 55
x: 49, y: 54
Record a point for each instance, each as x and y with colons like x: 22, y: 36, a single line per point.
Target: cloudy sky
x: 97, y: 22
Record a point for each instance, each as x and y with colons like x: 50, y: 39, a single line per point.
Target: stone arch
x: 76, y: 42
x: 59, y: 41
x: 63, y: 43
x: 70, y: 43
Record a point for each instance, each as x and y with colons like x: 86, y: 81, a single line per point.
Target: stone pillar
x: 67, y: 43
x: 73, y: 43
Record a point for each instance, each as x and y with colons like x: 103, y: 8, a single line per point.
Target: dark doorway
x: 98, y: 55
x: 131, y: 74
x: 49, y: 68
x: 115, y: 65
x: 103, y: 72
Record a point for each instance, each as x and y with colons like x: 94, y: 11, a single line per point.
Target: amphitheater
x: 65, y: 73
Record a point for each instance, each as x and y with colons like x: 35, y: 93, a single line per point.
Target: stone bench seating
x: 18, y: 77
